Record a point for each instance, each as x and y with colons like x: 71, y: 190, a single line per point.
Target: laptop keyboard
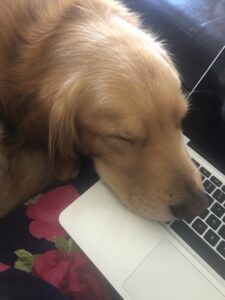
x: 205, y: 234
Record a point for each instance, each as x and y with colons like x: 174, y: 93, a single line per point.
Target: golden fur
x: 83, y: 77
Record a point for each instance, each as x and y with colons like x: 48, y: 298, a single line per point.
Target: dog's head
x: 133, y: 134
x: 129, y: 122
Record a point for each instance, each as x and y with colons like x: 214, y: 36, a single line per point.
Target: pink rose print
x: 72, y: 273
x: 3, y: 267
x: 45, y: 212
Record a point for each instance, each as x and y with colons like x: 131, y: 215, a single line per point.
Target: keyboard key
x: 203, y: 177
x: 223, y: 188
x: 218, y: 210
x: 205, y: 172
x: 213, y: 221
x: 209, y: 186
x: 188, y: 220
x: 221, y: 248
x: 199, y: 226
x: 219, y: 196
x: 196, y: 163
x: 210, y: 199
x: 216, y: 181
x: 201, y: 247
x: 224, y: 219
x: 222, y: 232
x: 205, y: 214
x: 211, y: 237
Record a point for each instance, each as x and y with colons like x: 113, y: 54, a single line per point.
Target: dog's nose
x: 191, y: 208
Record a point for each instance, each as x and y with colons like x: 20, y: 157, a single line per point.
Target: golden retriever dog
x: 84, y: 78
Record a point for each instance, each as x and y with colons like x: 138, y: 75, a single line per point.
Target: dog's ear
x: 63, y: 130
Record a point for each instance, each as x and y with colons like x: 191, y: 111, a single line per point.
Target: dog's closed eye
x: 122, y: 138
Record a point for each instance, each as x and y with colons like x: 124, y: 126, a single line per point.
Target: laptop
x: 146, y: 260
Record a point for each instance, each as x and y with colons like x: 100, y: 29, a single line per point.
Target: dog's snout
x: 191, y: 208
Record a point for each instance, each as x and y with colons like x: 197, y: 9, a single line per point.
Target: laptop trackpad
x: 167, y: 274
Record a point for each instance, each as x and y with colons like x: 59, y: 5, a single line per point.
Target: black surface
x: 211, y: 237
x: 210, y: 199
x: 222, y: 232
x: 218, y: 210
x: 205, y: 214
x: 199, y: 226
x: 213, y: 221
x: 219, y: 196
x: 194, y: 31
x: 216, y: 181
x: 221, y: 248
x: 205, y: 122
x: 209, y: 186
x: 205, y: 172
x: 18, y: 285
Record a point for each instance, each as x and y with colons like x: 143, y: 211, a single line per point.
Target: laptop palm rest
x: 166, y: 274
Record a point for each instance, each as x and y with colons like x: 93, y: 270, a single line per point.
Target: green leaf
x: 22, y: 266
x: 25, y: 260
x: 68, y: 246
x: 61, y: 243
x: 72, y: 246
x: 23, y: 254
x: 32, y: 200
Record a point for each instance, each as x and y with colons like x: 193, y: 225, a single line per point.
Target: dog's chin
x: 163, y: 217
x: 159, y: 215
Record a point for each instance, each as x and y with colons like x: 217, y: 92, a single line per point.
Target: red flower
x: 3, y: 267
x: 45, y: 212
x: 72, y: 273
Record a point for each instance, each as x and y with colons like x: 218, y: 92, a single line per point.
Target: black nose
x: 191, y: 208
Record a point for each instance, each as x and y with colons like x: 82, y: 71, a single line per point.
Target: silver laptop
x: 183, y: 260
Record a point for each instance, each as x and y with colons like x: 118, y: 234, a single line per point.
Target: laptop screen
x: 205, y: 122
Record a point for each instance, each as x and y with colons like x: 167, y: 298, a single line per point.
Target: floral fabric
x: 32, y: 242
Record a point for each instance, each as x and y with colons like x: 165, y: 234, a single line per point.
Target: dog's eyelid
x: 127, y: 139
